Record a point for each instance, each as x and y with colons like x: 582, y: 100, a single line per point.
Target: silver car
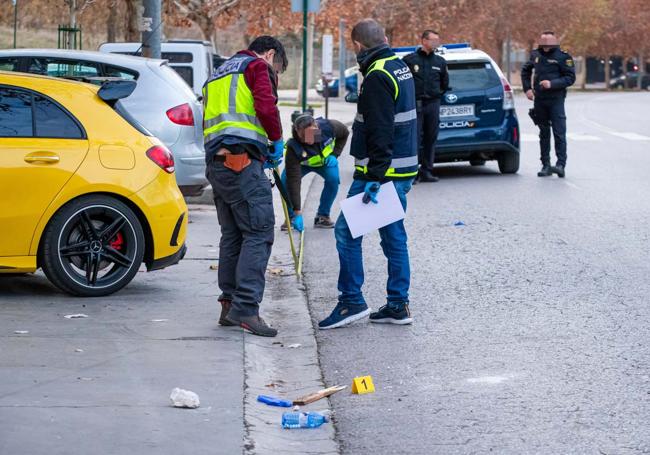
x: 162, y: 102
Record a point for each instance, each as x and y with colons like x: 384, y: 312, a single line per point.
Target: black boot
x: 225, y: 308
x: 253, y: 324
x: 545, y: 172
x: 559, y: 170
x: 427, y: 176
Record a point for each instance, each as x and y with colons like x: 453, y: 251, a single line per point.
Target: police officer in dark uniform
x: 431, y: 82
x: 554, y: 72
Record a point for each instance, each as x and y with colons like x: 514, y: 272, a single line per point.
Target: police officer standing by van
x: 431, y: 82
x: 240, y: 118
x: 384, y: 146
x: 554, y: 72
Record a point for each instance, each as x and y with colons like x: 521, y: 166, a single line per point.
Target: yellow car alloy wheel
x: 93, y: 246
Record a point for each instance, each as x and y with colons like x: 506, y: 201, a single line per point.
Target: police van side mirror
x: 352, y: 97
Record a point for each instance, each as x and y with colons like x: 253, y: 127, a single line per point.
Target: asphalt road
x: 531, y: 321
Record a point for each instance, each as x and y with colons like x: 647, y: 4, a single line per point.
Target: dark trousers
x: 550, y: 114
x: 245, y: 210
x: 428, y: 112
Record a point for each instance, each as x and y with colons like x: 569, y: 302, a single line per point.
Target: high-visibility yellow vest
x: 229, y: 105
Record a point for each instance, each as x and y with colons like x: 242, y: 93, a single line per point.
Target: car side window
x: 53, y: 122
x: 49, y: 66
x: 114, y: 71
x: 15, y: 113
x: 9, y: 64
x: 186, y: 72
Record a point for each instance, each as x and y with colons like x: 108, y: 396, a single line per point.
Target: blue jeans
x: 393, y: 243
x: 330, y: 188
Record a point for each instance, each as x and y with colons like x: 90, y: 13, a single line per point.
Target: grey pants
x: 245, y: 210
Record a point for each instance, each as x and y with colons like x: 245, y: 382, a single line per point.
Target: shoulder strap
x: 378, y: 65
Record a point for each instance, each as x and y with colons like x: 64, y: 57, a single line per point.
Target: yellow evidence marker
x: 363, y: 384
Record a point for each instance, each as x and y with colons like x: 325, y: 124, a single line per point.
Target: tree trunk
x: 111, y: 22
x: 641, y: 65
x: 608, y: 72
x: 134, y: 11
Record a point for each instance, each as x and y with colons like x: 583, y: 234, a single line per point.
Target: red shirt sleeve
x: 258, y: 77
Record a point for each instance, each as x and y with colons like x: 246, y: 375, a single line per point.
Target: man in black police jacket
x: 431, y: 82
x: 554, y: 72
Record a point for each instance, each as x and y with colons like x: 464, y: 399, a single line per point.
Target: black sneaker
x: 392, y: 315
x: 545, y: 171
x: 253, y: 324
x: 344, y: 314
x: 559, y: 170
x: 225, y: 308
x: 323, y: 222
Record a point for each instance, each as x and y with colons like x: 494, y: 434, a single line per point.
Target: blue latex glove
x: 274, y: 158
x: 330, y: 161
x: 297, y: 223
x: 370, y: 192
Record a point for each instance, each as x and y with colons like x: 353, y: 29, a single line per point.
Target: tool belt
x: 236, y: 162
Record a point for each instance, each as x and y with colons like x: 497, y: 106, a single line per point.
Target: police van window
x: 186, y: 72
x: 177, y: 57
x: 9, y: 64
x: 60, y: 68
x: 114, y: 71
x: 15, y: 113
x: 52, y: 121
x: 472, y: 75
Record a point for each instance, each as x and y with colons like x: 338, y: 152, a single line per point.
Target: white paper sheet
x: 363, y: 218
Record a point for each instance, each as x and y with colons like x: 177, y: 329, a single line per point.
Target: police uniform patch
x: 569, y: 62
x: 536, y: 59
x: 416, y: 68
x: 304, y: 154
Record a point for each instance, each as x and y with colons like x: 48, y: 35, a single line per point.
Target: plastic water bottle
x: 302, y: 420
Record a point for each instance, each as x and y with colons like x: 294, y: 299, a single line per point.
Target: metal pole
x: 341, y: 58
x: 15, y: 20
x: 151, y: 34
x: 304, y: 55
x: 508, y: 59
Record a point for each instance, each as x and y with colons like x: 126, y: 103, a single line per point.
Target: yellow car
x: 85, y: 192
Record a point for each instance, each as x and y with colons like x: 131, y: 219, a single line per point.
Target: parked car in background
x: 350, y: 83
x: 191, y: 59
x: 630, y: 80
x: 88, y: 194
x: 162, y: 102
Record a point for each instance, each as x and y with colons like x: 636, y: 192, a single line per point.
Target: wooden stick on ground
x: 318, y: 395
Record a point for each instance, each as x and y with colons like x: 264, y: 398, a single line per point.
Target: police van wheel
x: 509, y: 162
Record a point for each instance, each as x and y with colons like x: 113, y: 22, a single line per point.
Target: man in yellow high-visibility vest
x: 240, y: 119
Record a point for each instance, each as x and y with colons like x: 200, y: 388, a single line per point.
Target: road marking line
x: 572, y: 185
x: 583, y: 137
x: 631, y: 136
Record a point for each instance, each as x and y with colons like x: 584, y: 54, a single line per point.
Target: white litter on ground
x: 78, y: 350
x: 21, y: 332
x: 184, y: 399
x: 75, y: 316
x: 159, y: 320
x: 294, y: 346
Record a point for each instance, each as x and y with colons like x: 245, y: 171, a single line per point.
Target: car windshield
x: 472, y: 75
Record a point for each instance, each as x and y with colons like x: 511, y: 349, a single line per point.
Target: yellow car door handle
x: 42, y: 157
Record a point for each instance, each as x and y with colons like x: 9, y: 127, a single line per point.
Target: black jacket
x: 556, y: 66
x: 430, y: 74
